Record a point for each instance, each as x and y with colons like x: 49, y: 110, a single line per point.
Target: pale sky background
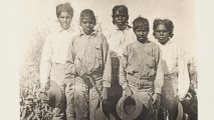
x: 181, y: 12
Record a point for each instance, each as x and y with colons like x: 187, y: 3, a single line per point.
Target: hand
x: 43, y: 96
x: 81, y: 73
x: 155, y: 98
x: 104, y: 95
x: 44, y: 87
x: 128, y: 91
x: 43, y: 91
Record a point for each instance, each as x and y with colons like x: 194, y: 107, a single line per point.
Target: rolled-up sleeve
x: 46, y: 61
x: 159, y: 79
x: 107, y: 73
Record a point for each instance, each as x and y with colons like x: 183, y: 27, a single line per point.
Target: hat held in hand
x: 53, y: 96
x: 129, y: 108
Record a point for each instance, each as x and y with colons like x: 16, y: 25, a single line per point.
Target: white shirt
x: 173, y: 62
x: 119, y: 39
x: 55, y: 50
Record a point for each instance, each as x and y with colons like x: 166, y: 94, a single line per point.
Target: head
x: 87, y: 21
x: 64, y: 13
x: 163, y: 30
x: 120, y: 16
x: 141, y: 28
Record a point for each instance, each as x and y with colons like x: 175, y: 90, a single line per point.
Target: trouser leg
x: 69, y: 93
x: 170, y: 103
x: 93, y: 102
x: 81, y: 101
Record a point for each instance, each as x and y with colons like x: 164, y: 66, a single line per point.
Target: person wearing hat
x: 118, y: 37
x: 176, y: 76
x: 141, y: 74
x: 89, y: 62
x: 52, y: 65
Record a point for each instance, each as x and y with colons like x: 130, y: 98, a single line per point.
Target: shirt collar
x: 60, y: 29
x: 93, y: 33
x: 126, y: 29
x: 168, y: 43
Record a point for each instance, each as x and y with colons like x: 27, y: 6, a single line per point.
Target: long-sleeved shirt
x: 119, y: 39
x: 142, y: 61
x: 174, y: 63
x: 91, y: 51
x: 55, y: 50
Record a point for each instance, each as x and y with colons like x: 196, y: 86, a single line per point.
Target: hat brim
x: 55, y: 94
x: 121, y: 111
x: 100, y: 113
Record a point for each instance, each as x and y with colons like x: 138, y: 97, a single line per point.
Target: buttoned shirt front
x: 174, y: 63
x: 55, y: 50
x: 141, y: 61
x: 92, y: 51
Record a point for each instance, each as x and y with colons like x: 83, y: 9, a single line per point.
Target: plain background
x: 17, y: 18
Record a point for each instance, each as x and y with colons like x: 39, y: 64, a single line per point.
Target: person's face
x: 162, y: 34
x: 141, y: 34
x: 65, y: 20
x: 120, y: 20
x: 87, y: 25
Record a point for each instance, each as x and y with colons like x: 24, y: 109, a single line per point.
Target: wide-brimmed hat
x: 129, y: 108
x: 103, y: 112
x: 54, y: 95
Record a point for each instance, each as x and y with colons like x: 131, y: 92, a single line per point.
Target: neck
x: 143, y: 41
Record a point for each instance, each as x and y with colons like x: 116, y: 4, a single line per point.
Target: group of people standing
x: 92, y: 68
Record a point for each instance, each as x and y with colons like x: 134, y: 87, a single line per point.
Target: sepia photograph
x: 109, y: 60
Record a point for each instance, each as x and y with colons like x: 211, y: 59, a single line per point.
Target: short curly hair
x: 140, y: 22
x: 121, y: 9
x: 64, y: 7
x: 87, y: 13
x: 168, y: 23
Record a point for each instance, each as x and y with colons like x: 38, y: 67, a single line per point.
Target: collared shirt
x: 142, y: 61
x: 174, y: 63
x: 91, y: 51
x: 119, y: 39
x: 55, y: 50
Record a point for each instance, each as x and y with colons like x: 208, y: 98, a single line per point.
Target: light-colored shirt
x: 93, y: 52
x: 119, y: 39
x: 55, y: 50
x: 142, y: 61
x: 174, y: 63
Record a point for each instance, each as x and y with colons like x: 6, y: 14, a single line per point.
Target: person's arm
x: 70, y: 67
x: 159, y: 78
x: 107, y: 63
x: 122, y: 73
x: 183, y: 76
x: 45, y: 64
x: 122, y: 70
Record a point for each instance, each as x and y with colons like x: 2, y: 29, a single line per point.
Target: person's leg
x: 69, y: 94
x: 170, y: 103
x: 81, y: 101
x: 94, y: 102
x: 115, y: 91
x: 59, y: 110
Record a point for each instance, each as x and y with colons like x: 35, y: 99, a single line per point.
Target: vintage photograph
x: 109, y: 60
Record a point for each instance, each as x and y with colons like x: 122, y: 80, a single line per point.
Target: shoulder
x: 154, y: 44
